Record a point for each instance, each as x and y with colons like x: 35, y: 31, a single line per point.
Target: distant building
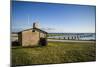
x: 14, y: 36
x: 31, y: 37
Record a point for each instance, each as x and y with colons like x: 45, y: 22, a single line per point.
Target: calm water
x: 76, y: 36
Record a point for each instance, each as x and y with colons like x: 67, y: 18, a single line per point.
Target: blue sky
x: 53, y: 17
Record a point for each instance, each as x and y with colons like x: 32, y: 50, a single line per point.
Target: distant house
x: 31, y: 37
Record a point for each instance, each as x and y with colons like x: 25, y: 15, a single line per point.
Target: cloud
x: 49, y: 29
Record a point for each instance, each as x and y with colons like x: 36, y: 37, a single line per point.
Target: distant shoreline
x: 56, y: 40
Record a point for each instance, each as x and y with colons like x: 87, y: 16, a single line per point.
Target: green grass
x: 55, y: 52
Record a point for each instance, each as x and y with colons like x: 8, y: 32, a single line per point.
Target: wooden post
x: 68, y: 38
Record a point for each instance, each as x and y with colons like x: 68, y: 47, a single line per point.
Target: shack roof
x: 34, y: 29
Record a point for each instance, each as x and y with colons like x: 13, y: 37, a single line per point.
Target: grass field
x: 55, y: 52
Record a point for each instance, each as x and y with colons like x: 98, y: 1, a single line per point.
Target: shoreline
x: 56, y: 40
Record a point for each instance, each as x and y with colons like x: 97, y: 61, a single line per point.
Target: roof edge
x: 32, y: 29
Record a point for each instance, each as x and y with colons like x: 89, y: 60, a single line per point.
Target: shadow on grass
x: 19, y: 47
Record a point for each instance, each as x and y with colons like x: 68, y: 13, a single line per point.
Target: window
x: 33, y: 30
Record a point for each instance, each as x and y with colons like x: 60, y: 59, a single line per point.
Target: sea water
x: 76, y: 36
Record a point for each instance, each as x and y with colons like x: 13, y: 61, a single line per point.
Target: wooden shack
x: 31, y: 37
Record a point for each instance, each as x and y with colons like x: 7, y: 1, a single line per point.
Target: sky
x: 53, y: 17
